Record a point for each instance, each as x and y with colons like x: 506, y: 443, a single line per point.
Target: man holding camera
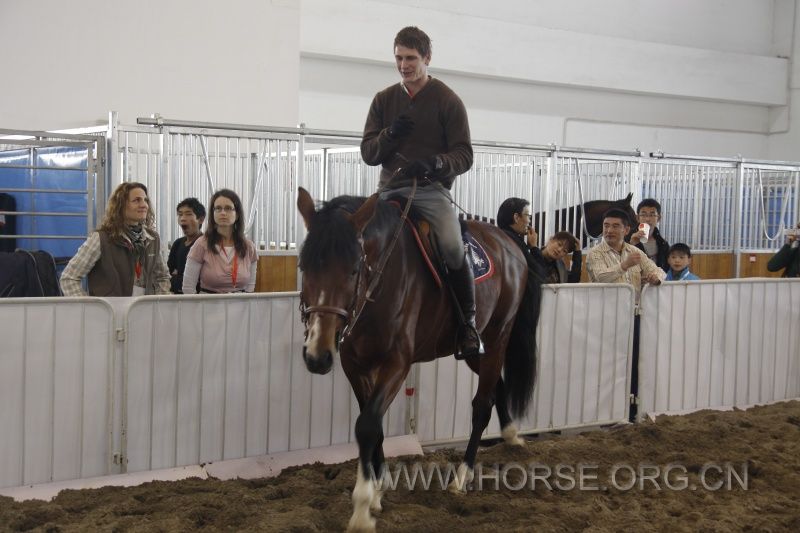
x: 788, y: 257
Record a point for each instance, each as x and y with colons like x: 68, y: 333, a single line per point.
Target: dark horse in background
x: 571, y: 218
x: 407, y: 319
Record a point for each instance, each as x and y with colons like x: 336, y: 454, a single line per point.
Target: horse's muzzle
x: 318, y: 364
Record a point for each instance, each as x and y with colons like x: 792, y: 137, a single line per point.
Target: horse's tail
x: 520, y: 361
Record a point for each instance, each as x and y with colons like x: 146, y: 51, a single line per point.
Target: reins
x: 373, y: 284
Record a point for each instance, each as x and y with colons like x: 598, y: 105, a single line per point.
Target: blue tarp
x: 53, y: 173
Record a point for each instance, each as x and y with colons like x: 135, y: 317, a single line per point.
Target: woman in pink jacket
x: 223, y: 259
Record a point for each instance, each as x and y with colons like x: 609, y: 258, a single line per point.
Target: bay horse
x: 359, y: 254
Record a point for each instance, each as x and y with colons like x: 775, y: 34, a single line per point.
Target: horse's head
x: 330, y: 261
x: 595, y: 209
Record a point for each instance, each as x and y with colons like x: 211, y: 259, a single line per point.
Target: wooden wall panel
x: 757, y: 268
x: 713, y: 266
x: 276, y: 273
x: 721, y: 266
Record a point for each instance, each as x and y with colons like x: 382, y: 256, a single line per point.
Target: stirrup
x: 466, y: 347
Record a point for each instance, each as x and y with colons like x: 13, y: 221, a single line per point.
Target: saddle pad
x: 482, y: 265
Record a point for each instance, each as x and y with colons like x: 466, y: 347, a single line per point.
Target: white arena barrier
x: 213, y: 377
x: 584, y: 344
x: 718, y: 344
x: 91, y: 387
x: 56, y: 378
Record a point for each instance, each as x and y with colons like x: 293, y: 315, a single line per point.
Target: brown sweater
x: 440, y: 128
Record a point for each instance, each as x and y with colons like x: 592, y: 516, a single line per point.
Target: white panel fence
x: 584, y: 338
x: 714, y: 344
x: 90, y: 387
x: 56, y: 368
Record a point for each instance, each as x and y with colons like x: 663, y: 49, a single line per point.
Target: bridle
x: 360, y: 300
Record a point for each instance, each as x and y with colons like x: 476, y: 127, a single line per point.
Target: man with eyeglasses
x: 657, y: 248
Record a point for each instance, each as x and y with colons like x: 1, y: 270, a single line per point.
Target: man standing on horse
x: 418, y: 128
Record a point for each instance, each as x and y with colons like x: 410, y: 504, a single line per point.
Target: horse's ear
x: 628, y: 198
x: 305, y: 204
x: 361, y: 218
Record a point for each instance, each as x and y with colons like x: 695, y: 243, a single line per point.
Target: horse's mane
x: 333, y: 237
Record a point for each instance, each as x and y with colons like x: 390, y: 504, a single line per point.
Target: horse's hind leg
x: 481, y: 413
x: 509, y: 430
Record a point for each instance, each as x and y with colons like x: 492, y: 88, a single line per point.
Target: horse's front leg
x: 369, y: 435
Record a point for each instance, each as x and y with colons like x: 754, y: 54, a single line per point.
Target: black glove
x: 420, y: 168
x: 401, y: 127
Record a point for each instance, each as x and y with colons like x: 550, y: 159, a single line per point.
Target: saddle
x: 480, y: 261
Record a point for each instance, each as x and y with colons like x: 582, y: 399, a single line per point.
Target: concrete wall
x: 67, y: 64
x: 715, y: 77
x: 683, y: 77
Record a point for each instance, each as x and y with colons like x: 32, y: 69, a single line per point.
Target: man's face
x: 614, y: 231
x: 188, y: 221
x: 412, y: 67
x: 136, y: 207
x: 649, y: 215
x: 521, y: 221
x: 678, y: 261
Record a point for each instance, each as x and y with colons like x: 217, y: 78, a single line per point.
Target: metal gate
x: 53, y: 179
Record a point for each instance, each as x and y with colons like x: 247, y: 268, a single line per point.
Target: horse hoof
x: 376, y: 507
x: 510, y: 436
x: 363, y: 525
x: 453, y: 488
x: 516, y: 441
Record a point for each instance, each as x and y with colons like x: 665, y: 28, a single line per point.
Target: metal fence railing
x: 712, y: 204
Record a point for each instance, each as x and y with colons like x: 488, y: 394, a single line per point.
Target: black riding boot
x: 463, y: 285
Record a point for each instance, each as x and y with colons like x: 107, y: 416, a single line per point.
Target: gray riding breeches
x: 434, y: 203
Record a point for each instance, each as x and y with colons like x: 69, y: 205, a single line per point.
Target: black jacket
x: 662, y: 252
x: 788, y: 258
x: 534, y: 266
x: 556, y: 271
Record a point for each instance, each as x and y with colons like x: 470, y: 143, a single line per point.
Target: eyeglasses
x: 226, y: 208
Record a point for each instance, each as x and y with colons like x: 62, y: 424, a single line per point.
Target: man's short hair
x: 615, y: 212
x: 649, y: 202
x: 195, y: 205
x: 413, y: 37
x: 680, y: 248
x: 507, y: 210
x: 567, y: 238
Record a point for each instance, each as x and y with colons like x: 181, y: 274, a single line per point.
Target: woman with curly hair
x: 222, y: 259
x: 123, y: 256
